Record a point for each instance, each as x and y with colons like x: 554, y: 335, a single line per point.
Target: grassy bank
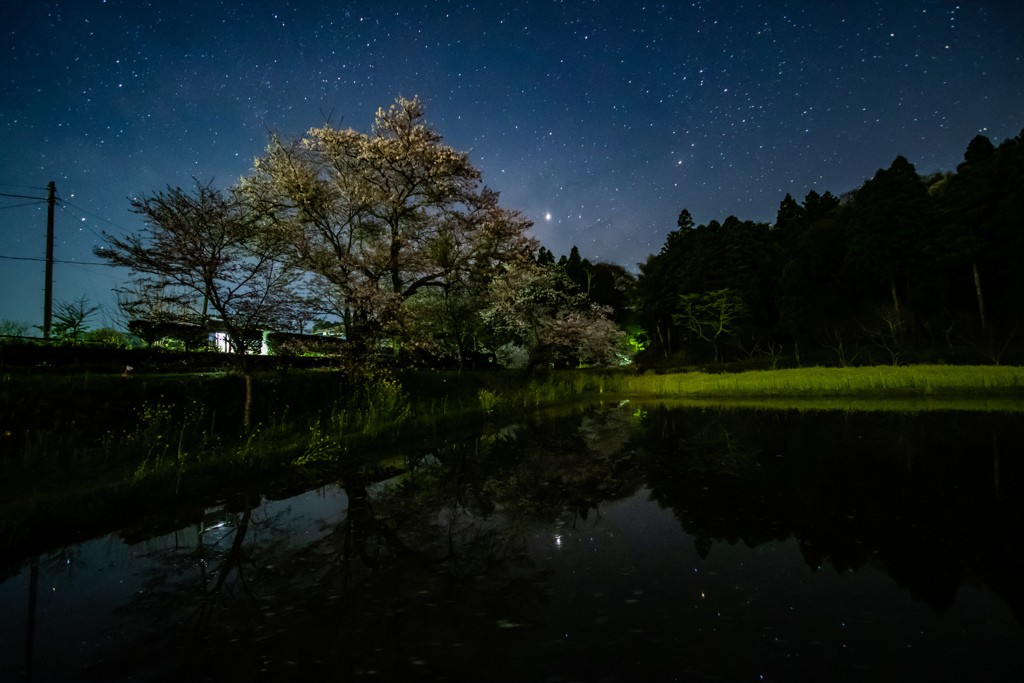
x: 92, y: 446
x: 878, y: 381
x: 844, y: 404
x: 166, y: 424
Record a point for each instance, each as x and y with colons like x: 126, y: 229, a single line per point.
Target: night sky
x: 600, y: 121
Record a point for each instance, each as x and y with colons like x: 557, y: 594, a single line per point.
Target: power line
x: 77, y: 263
x: 23, y: 196
x: 89, y: 272
x: 65, y: 203
x: 81, y: 223
x: 24, y: 187
x: 14, y: 206
x: 86, y: 267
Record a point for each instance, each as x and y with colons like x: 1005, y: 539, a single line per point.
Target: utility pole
x: 48, y: 303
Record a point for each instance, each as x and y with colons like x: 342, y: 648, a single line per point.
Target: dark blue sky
x: 600, y: 121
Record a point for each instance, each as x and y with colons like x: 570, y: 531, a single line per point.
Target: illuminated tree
x: 107, y: 336
x: 734, y: 255
x: 605, y: 284
x: 586, y: 336
x: 381, y: 217
x: 710, y: 315
x: 540, y: 309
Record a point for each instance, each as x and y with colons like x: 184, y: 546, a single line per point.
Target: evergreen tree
x: 888, y: 230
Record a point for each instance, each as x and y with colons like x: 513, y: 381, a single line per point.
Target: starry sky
x: 599, y: 120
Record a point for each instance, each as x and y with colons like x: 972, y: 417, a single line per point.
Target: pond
x: 617, y: 542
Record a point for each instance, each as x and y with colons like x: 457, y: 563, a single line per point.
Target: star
x: 634, y: 111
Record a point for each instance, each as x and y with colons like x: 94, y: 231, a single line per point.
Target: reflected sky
x: 542, y: 552
x: 630, y: 584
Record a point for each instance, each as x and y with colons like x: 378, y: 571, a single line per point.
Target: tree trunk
x: 977, y: 290
x: 248, y: 400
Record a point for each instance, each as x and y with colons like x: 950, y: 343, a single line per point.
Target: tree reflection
x: 428, y: 572
x: 906, y: 493
x: 540, y: 472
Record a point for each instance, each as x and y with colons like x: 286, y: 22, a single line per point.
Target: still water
x: 619, y: 542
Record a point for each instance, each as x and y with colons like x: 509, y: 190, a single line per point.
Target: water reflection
x: 618, y: 542
x: 929, y: 497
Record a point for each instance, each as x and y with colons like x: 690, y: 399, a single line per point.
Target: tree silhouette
x: 201, y: 250
x: 71, y: 317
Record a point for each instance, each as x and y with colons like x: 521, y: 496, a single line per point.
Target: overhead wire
x: 66, y: 207
x: 14, y: 206
x: 23, y: 196
x: 81, y: 223
x: 67, y: 217
x: 25, y: 187
x: 56, y: 260
x: 65, y: 203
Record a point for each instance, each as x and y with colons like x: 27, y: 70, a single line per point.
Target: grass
x: 96, y: 445
x: 876, y: 381
x: 81, y: 445
x: 846, y: 404
x: 172, y: 423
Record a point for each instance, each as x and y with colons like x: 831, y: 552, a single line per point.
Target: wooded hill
x: 904, y: 268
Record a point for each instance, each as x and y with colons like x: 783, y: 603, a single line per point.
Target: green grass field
x: 878, y: 381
